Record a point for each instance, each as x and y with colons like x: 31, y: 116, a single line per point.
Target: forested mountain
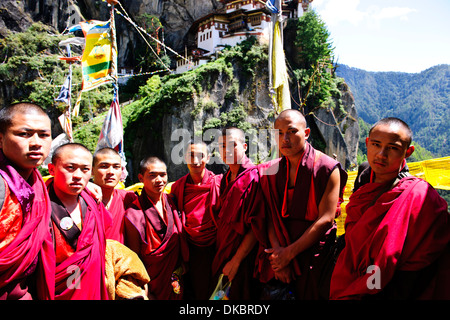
x: 421, y: 99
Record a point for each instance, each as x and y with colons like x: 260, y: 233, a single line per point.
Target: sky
x: 388, y: 35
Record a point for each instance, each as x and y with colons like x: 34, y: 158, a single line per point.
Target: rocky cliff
x: 233, y: 93
x: 176, y: 17
x: 229, y: 91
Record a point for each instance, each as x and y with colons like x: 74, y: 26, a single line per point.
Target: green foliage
x: 313, y: 40
x: 150, y: 58
x: 421, y: 99
x: 32, y: 68
x: 419, y: 154
x: 30, y: 64
x: 313, y: 68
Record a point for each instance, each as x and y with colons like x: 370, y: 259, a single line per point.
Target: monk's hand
x: 284, y: 275
x: 231, y: 268
x: 278, y: 258
x: 95, y: 191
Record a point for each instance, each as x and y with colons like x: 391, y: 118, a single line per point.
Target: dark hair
x: 395, y: 121
x: 104, y: 150
x: 148, y: 160
x: 240, y: 131
x: 7, y: 113
x: 197, y: 142
x: 286, y: 112
x: 73, y: 145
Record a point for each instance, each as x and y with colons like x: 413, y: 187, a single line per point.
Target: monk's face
x: 231, y: 148
x: 387, y: 146
x: 154, y: 179
x: 107, y: 170
x: 26, y: 143
x: 71, y: 171
x: 292, y: 135
x: 196, y: 158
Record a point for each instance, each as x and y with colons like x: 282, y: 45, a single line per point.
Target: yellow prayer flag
x: 280, y: 77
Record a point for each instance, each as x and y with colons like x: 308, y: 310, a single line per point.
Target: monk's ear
x: 367, y: 141
x: 141, y: 177
x: 307, y: 132
x: 409, y: 151
x: 51, y: 169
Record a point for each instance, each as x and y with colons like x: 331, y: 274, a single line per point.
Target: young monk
x: 397, y: 229
x: 153, y: 229
x: 239, y: 217
x: 26, y: 253
x: 193, y: 197
x: 302, y: 191
x: 106, y: 172
x: 79, y: 224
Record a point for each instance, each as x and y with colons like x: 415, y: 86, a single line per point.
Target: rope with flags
x: 111, y: 134
x: 98, y: 66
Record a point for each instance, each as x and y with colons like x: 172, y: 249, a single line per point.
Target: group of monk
x: 268, y: 230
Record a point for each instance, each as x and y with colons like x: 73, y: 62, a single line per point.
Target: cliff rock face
x: 176, y: 16
x: 332, y: 131
x: 238, y: 96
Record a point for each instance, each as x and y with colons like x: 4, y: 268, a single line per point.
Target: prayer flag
x: 280, y: 80
x: 96, y: 62
x: 111, y: 134
x: 272, y: 6
x: 64, y: 94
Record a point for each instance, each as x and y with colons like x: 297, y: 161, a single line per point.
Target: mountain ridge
x: 420, y: 99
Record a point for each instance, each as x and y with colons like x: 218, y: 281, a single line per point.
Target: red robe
x: 31, y: 251
x: 121, y: 201
x: 292, y: 218
x: 195, y: 203
x: 238, y: 209
x: 406, y: 229
x: 160, y: 244
x: 80, y: 275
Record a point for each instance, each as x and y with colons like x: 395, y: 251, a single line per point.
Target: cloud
x: 393, y: 12
x: 334, y: 12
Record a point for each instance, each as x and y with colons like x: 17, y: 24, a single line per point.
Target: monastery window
x: 255, y: 20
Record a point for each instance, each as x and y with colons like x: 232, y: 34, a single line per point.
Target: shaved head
x: 148, y: 161
x: 392, y: 121
x: 293, y: 114
x: 60, y: 150
x: 238, y: 133
x: 7, y: 113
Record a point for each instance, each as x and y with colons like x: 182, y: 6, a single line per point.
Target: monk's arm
x: 247, y: 244
x: 327, y: 210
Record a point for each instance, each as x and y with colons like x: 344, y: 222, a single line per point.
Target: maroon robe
x: 238, y: 209
x: 121, y: 201
x: 81, y: 275
x: 195, y: 203
x: 405, y: 231
x: 31, y: 251
x: 292, y: 219
x: 142, y: 222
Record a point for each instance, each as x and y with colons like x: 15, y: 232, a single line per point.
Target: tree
x: 314, y: 71
x: 313, y: 40
x: 153, y: 57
